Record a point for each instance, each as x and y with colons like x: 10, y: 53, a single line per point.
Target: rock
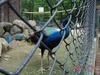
x: 4, y: 46
x: 9, y: 38
x: 20, y: 23
x: 2, y: 24
x: 32, y: 23
x: 37, y: 28
x: 26, y: 32
x: 1, y: 31
x: 19, y: 37
x: 23, y: 25
x: 15, y: 30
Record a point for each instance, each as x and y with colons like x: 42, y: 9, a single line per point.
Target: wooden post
x: 16, y: 5
x: 6, y: 14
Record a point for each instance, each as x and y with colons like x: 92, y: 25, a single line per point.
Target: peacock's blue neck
x: 67, y: 31
x: 64, y: 23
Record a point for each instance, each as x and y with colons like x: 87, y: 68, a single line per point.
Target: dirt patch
x: 15, y: 56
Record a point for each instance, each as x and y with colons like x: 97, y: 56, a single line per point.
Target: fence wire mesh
x: 77, y: 48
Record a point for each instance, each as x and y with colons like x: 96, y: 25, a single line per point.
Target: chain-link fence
x: 81, y: 21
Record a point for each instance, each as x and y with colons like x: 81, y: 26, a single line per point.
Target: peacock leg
x: 41, y: 68
x: 48, y: 55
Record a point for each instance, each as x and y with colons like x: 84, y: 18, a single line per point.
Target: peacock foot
x: 42, y: 70
x: 49, y: 68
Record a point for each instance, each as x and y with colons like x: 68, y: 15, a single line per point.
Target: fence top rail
x: 48, y: 12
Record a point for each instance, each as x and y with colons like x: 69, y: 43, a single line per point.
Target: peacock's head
x: 64, y: 21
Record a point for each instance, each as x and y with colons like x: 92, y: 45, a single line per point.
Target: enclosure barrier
x: 82, y: 41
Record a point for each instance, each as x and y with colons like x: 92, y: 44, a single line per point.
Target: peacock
x: 51, y: 38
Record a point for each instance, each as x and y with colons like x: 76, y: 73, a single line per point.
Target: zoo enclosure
x: 82, y: 43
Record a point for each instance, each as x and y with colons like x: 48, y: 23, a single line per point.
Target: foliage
x: 33, y: 5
